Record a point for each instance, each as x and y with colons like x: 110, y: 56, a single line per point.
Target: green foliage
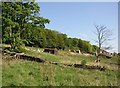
x: 94, y: 48
x: 18, y: 17
x: 83, y: 62
x: 21, y: 24
x: 15, y: 41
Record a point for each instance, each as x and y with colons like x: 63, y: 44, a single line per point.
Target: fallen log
x: 30, y: 58
x: 90, y: 67
x: 22, y: 56
x: 33, y: 58
x: 78, y: 65
x: 54, y: 63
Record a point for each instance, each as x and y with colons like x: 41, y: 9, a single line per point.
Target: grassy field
x: 29, y: 73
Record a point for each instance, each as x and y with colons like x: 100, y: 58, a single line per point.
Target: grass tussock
x: 29, y: 73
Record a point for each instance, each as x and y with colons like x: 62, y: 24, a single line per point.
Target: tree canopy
x: 22, y: 24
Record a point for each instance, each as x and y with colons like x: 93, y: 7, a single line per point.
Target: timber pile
x: 101, y: 68
x: 13, y: 55
x: 30, y: 58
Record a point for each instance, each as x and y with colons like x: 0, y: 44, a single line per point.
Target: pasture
x: 18, y: 72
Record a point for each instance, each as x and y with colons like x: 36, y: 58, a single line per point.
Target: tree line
x: 22, y: 24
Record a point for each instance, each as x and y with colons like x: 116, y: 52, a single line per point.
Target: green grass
x: 72, y: 58
x: 27, y: 73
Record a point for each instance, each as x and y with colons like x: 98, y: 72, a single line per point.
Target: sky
x: 119, y: 28
x: 77, y: 19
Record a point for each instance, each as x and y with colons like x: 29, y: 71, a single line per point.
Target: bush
x: 83, y: 62
x: 18, y: 50
x: 118, y: 60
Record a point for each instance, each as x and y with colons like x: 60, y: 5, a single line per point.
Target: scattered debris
x: 13, y: 55
x: 90, y: 67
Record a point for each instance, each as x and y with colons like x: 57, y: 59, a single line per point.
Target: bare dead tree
x: 103, y: 35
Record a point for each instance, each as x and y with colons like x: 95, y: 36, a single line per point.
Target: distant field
x: 27, y: 73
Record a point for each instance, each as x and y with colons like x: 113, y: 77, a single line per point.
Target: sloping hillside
x: 17, y: 72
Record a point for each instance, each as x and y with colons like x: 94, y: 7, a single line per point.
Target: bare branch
x: 103, y: 35
x: 96, y: 41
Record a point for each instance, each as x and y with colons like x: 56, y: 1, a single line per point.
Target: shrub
x: 83, y: 62
x: 18, y: 50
